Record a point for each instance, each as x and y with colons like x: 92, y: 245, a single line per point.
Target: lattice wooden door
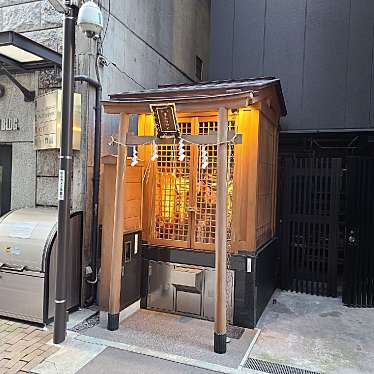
x: 310, y: 197
x: 204, y: 223
x: 172, y: 221
x: 185, y: 194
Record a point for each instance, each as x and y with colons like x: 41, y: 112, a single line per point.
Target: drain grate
x: 273, y: 368
x: 87, y: 323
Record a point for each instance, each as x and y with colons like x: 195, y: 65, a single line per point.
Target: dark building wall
x: 322, y: 50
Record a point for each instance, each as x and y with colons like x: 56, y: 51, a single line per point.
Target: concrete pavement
x: 122, y: 362
x: 316, y: 333
x: 299, y: 331
x: 148, y: 342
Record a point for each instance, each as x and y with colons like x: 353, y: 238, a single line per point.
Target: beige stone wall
x: 151, y: 42
x: 30, y: 178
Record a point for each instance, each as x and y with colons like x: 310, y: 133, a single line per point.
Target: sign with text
x: 165, y: 119
x: 9, y: 124
x: 48, y: 121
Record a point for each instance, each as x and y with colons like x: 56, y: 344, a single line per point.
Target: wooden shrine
x: 174, y: 202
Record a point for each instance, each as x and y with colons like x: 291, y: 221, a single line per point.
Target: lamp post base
x: 219, y: 343
x: 61, y: 317
x: 113, y: 322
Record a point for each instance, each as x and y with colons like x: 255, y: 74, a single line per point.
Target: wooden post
x: 116, y: 261
x: 221, y: 235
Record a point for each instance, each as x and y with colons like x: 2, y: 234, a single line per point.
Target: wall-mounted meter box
x: 47, y: 134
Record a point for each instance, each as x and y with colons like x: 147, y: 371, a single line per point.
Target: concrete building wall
x: 154, y: 42
x: 146, y: 43
x: 30, y: 175
x: 322, y: 50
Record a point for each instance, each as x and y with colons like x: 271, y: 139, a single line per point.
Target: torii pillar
x: 117, y: 246
x: 220, y: 318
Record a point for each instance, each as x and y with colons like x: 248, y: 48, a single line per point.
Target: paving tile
x: 16, y: 368
x: 16, y: 338
x: 35, y: 340
x: 4, y: 347
x: 36, y: 361
x: 9, y: 336
x: 3, y: 335
x: 32, y: 355
x: 10, y: 363
x: 34, y: 334
x: 9, y: 355
x: 20, y: 345
x: 29, y: 329
x: 23, y: 346
x: 31, y: 349
x: 11, y: 328
x: 47, y: 338
x: 3, y: 327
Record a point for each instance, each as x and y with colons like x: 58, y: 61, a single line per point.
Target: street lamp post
x: 91, y: 23
x: 65, y: 171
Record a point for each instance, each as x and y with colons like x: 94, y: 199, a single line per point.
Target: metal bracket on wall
x: 28, y: 95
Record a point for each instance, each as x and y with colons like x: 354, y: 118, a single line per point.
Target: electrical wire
x: 127, y: 75
x: 107, y: 24
x: 106, y: 61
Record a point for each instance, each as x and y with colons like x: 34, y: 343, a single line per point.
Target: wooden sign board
x: 165, y: 119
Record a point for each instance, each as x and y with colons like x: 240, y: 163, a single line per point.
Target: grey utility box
x: 28, y: 243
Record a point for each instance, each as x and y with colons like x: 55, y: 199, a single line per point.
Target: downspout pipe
x: 96, y: 183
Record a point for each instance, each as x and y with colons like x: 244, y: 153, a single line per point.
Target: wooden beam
x: 186, y: 106
x: 109, y: 190
x: 221, y: 235
x: 210, y: 139
x: 116, y: 265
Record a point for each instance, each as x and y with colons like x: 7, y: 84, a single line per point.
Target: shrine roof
x: 217, y: 90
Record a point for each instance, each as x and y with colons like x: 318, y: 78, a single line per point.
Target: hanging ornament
x: 134, y: 158
x: 204, y: 157
x: 182, y: 156
x: 155, y: 155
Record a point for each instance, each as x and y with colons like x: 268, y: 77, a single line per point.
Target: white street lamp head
x: 90, y: 19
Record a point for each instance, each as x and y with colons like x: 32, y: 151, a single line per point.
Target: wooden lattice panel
x: 173, y: 191
x: 206, y: 188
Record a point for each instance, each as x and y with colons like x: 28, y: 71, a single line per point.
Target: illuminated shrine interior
x: 182, y: 210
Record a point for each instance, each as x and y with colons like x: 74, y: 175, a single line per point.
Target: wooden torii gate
x: 221, y: 138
